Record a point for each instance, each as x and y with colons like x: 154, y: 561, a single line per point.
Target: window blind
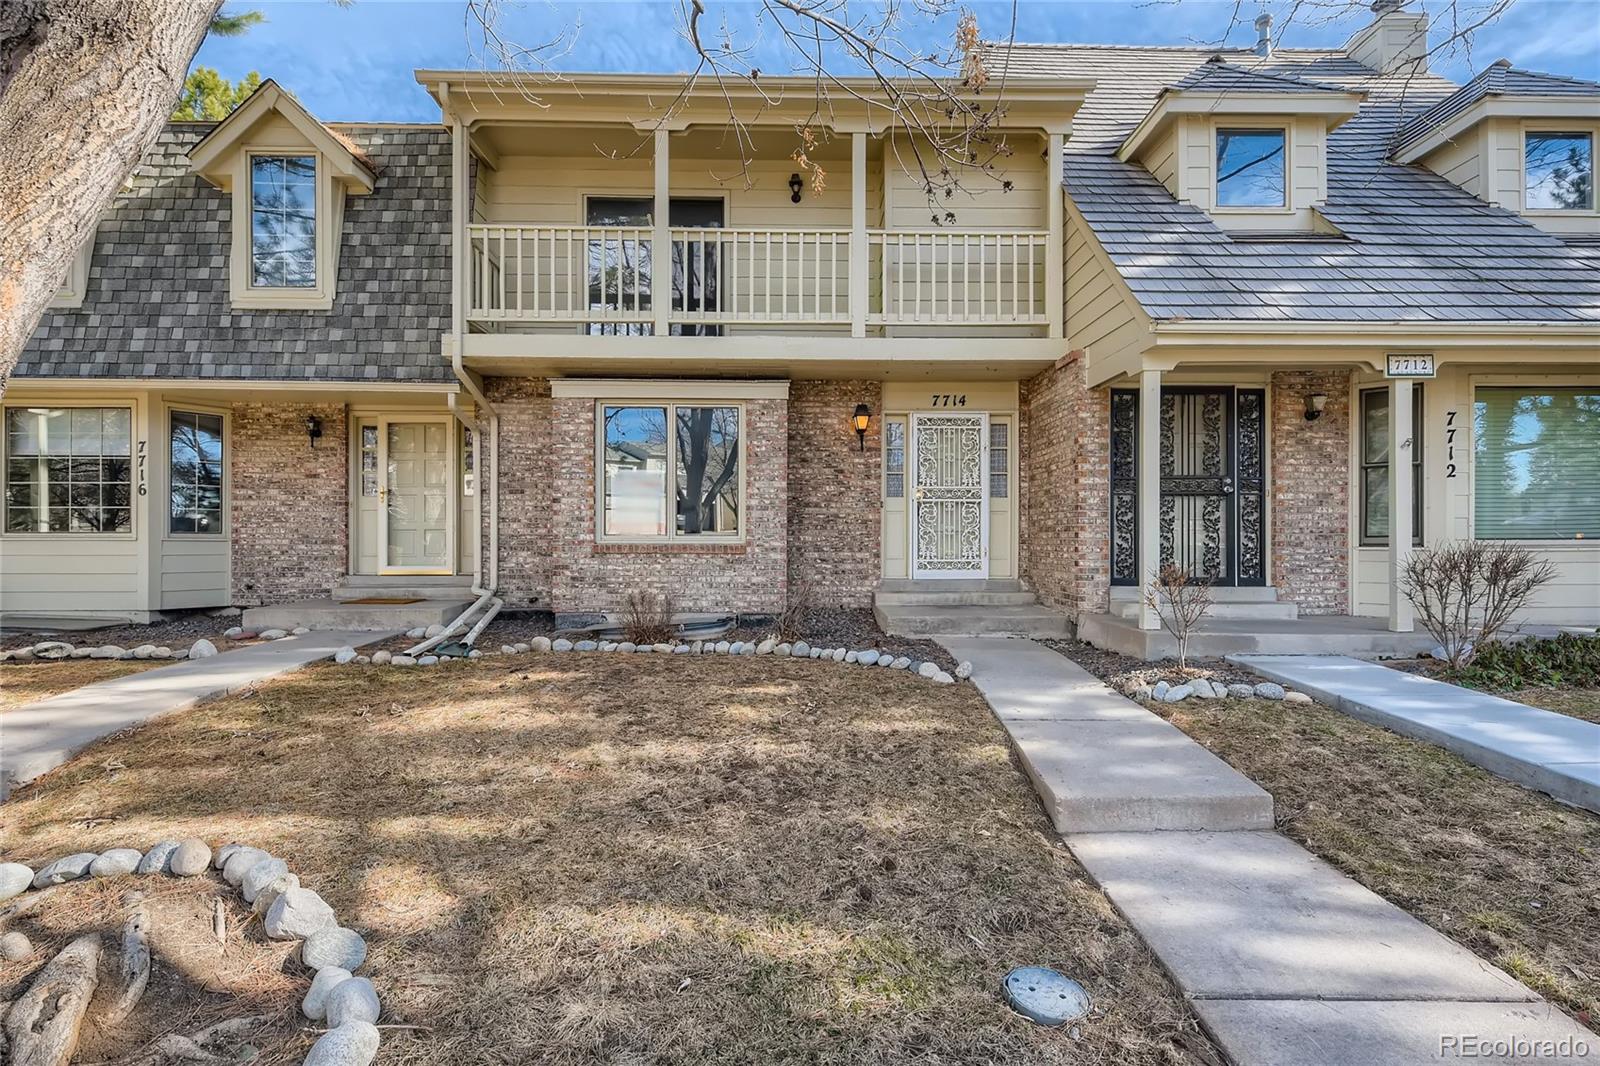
x: 1536, y: 469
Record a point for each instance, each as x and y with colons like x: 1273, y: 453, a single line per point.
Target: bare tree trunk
x: 85, y: 86
x: 43, y: 1023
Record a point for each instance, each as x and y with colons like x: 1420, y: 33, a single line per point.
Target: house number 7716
x: 950, y: 399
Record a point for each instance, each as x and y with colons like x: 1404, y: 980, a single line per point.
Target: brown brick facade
x: 527, y: 496
x: 835, y: 501
x: 1310, y: 490
x: 1064, y: 467
x: 751, y: 577
x: 289, y: 502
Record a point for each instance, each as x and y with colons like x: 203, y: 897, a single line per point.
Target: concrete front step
x: 1262, y: 611
x: 1022, y: 620
x: 330, y: 614
x: 955, y: 599
x: 954, y: 584
x: 402, y: 586
x: 1219, y: 593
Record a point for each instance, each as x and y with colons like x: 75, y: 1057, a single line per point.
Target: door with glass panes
x: 405, y: 470
x: 621, y: 273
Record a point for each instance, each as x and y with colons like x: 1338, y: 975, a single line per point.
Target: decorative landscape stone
x: 273, y: 634
x: 271, y: 891
x: 260, y: 875
x: 116, y: 862
x: 239, y: 862
x: 315, y: 1005
x: 337, y: 947
x: 190, y: 858
x: 1296, y: 697
x: 14, y: 947
x: 1270, y: 690
x: 15, y: 879
x: 354, y: 1000
x: 352, y: 1044
x: 67, y: 868
x: 202, y: 649
x: 297, y: 914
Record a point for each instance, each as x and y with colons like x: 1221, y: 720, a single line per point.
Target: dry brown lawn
x: 23, y: 683
x: 1507, y: 872
x: 627, y: 860
x: 1578, y: 702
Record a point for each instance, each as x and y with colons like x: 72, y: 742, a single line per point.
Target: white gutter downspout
x: 485, y: 589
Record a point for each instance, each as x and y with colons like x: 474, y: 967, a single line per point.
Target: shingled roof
x: 1499, y: 79
x: 1413, y: 246
x: 1218, y: 75
x: 157, y: 305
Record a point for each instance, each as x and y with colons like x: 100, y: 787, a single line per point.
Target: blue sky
x: 355, y: 62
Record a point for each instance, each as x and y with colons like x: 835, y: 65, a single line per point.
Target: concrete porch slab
x: 331, y: 614
x: 1365, y: 638
x: 1255, y: 916
x: 1362, y: 1033
x: 1554, y: 753
x: 41, y: 736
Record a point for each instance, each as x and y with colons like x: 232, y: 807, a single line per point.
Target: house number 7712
x: 950, y: 399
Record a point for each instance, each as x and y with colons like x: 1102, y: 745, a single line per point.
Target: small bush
x: 647, y: 617
x: 1465, y: 593
x: 789, y: 626
x: 1181, y: 600
x: 1564, y: 660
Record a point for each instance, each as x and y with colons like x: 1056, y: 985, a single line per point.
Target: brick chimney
x: 1395, y: 40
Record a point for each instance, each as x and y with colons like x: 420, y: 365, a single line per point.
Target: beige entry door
x: 414, y: 517
x: 949, y: 495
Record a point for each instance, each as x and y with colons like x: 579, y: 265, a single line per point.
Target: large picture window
x: 1536, y: 463
x: 1559, y: 171
x: 1375, y: 466
x: 283, y: 221
x: 1250, y: 168
x: 677, y: 460
x: 69, y: 470
x: 195, y: 476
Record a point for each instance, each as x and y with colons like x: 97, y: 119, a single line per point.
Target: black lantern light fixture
x: 313, y: 429
x: 795, y: 185
x: 1315, y: 402
x: 861, y: 419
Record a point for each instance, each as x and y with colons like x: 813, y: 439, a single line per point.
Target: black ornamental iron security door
x: 1213, y: 489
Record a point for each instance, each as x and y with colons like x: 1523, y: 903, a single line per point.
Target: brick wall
x: 1311, y: 491
x: 1064, y: 468
x: 748, y: 577
x: 527, y: 490
x: 290, y: 503
x: 834, y: 492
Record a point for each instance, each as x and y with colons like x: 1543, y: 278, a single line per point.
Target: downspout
x: 484, y: 589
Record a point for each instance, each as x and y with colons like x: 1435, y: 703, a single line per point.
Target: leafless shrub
x: 647, y: 617
x: 790, y: 623
x: 1180, y: 600
x: 1465, y: 593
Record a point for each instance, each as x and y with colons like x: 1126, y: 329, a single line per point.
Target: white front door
x: 414, y: 461
x: 949, y: 495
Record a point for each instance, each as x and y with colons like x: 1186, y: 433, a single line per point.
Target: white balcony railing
x: 604, y: 277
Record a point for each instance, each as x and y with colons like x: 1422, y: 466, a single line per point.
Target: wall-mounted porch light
x: 313, y: 429
x: 1314, y: 405
x: 861, y: 419
x: 795, y: 186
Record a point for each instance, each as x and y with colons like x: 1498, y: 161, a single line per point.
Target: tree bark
x: 42, y: 1025
x: 134, y: 970
x: 85, y: 86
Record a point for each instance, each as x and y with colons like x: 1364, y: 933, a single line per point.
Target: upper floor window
x: 283, y: 221
x: 1559, y: 171
x: 196, y: 472
x: 69, y: 469
x: 1250, y: 168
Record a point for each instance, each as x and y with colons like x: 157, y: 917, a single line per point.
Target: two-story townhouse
x: 568, y: 348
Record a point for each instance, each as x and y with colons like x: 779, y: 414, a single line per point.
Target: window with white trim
x: 1375, y: 466
x: 195, y: 473
x: 1536, y: 463
x: 999, y: 460
x: 894, y: 458
x: 1559, y: 171
x: 69, y: 469
x: 670, y: 471
x: 1251, y: 168
x: 283, y: 221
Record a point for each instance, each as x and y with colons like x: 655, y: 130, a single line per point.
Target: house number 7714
x: 950, y: 399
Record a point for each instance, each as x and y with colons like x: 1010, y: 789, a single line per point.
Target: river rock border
x: 1202, y: 689
x: 346, y: 1004
x: 348, y: 655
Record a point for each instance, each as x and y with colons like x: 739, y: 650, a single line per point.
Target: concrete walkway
x: 41, y: 736
x: 1554, y: 753
x: 1286, y: 961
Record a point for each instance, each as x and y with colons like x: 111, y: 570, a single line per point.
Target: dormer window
x: 1559, y: 169
x: 1251, y: 167
x: 283, y: 221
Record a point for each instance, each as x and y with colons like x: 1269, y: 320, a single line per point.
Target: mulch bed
x: 1124, y: 672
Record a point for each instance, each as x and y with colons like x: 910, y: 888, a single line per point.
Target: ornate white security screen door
x: 950, y: 495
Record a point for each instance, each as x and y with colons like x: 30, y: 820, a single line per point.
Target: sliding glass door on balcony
x: 621, y: 269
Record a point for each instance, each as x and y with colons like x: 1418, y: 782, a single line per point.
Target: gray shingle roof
x: 1218, y: 75
x: 1499, y: 79
x: 157, y: 304
x: 1417, y: 248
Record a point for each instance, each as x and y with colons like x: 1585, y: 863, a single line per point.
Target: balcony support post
x: 661, y: 237
x: 859, y: 256
x: 1149, y: 505
x: 1401, y: 449
x: 1055, y: 296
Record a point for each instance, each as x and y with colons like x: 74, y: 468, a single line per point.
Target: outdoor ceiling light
x: 861, y: 419
x: 795, y: 185
x: 313, y: 429
x: 1314, y: 405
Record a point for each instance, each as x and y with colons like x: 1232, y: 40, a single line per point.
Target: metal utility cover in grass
x: 1046, y: 996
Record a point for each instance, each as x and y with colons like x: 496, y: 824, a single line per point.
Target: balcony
x: 601, y: 279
